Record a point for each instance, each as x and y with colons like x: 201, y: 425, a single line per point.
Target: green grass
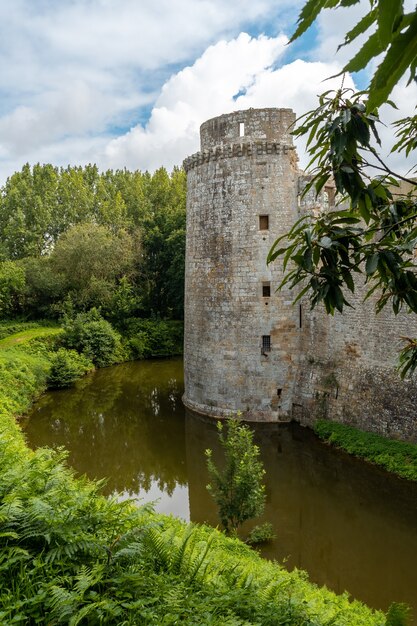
x: 395, y: 456
x: 24, y: 336
x: 70, y: 556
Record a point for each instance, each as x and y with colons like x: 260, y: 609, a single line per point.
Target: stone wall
x: 341, y: 367
x: 348, y: 369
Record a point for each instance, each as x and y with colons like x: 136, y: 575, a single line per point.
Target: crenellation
x: 236, y: 150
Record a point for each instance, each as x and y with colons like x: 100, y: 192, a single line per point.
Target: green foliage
x: 377, y: 234
x: 398, y: 614
x: 91, y: 335
x: 8, y: 327
x: 262, y: 533
x: 237, y: 488
x: 90, y: 261
x: 153, y: 338
x: 12, y: 286
x: 163, y: 243
x: 66, y: 367
x: 395, y: 456
x: 114, y: 240
x: 22, y: 377
x: 395, y: 34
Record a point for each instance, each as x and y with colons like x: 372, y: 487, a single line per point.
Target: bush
x: 153, y: 338
x: 237, y: 488
x: 11, y: 327
x: 94, y: 337
x: 262, y: 533
x: 66, y: 367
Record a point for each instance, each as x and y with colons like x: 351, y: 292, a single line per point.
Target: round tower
x: 241, y: 337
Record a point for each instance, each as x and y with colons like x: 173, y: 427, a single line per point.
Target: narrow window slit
x: 241, y: 129
x: 264, y: 222
x: 266, y: 344
x: 266, y: 290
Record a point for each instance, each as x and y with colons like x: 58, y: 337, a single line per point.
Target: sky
x: 127, y: 83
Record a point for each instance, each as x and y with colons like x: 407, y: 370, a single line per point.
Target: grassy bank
x: 395, y: 456
x: 70, y: 556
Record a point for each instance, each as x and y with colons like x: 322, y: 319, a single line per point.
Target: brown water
x: 350, y: 525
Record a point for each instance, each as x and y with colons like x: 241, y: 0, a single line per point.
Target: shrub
x: 237, y: 489
x: 12, y: 327
x: 262, y: 533
x: 66, y: 367
x: 93, y: 336
x: 153, y: 338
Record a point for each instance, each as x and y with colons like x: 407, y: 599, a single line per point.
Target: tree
x: 376, y: 235
x: 92, y: 260
x: 162, y: 265
x: 237, y: 488
x: 12, y: 287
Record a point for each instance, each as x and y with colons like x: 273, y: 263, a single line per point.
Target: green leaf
x: 389, y: 12
x: 361, y: 27
x: 310, y: 11
x: 325, y: 242
x: 400, y: 56
x: 372, y: 263
x: 370, y: 49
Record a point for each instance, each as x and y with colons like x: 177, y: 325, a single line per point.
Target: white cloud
x: 205, y: 89
x: 210, y: 87
x: 83, y: 68
x: 75, y: 74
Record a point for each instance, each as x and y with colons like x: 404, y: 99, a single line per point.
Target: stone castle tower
x: 247, y: 347
x: 241, y: 338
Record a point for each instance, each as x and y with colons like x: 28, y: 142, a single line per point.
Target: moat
x: 350, y: 525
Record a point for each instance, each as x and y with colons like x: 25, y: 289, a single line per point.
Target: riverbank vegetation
x: 397, y: 457
x: 70, y: 556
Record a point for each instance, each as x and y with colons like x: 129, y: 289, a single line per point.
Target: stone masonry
x: 247, y: 347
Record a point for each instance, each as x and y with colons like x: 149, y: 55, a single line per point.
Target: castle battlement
x: 231, y: 150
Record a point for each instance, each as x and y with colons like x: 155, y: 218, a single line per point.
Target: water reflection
x: 125, y: 423
x: 350, y: 525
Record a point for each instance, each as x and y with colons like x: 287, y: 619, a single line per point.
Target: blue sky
x: 127, y: 83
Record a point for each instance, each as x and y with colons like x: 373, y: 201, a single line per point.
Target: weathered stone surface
x: 342, y: 367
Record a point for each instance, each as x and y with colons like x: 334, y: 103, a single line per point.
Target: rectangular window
x: 266, y: 290
x: 266, y: 343
x: 263, y: 222
x: 241, y: 129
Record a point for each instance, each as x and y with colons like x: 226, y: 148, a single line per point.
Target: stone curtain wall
x: 348, y: 362
x: 231, y: 183
x: 347, y: 370
x: 340, y: 367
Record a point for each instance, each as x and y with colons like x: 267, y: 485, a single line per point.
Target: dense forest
x: 75, y: 239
